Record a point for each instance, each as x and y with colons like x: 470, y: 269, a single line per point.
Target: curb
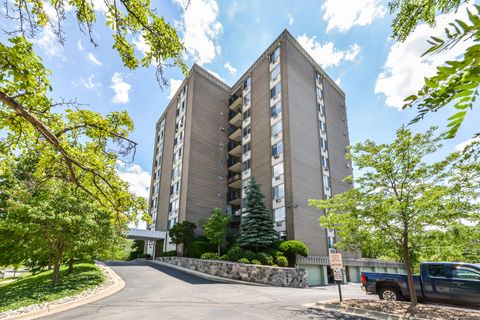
x: 49, y: 310
x: 206, y: 275
x: 377, y: 315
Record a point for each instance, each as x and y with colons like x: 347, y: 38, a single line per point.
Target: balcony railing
x: 232, y: 114
x: 233, y: 195
x: 233, y: 144
x: 233, y: 178
x: 232, y: 160
x: 232, y: 100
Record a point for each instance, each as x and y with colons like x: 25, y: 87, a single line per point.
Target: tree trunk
x: 50, y: 263
x: 408, y: 267
x: 56, y: 269
x: 219, y: 249
x: 70, y: 265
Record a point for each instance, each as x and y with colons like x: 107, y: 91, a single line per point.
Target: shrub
x: 235, y: 253
x: 199, y: 247
x: 291, y: 248
x: 243, y: 260
x: 172, y: 253
x: 209, y: 256
x: 255, y: 261
x: 281, y: 261
x: 265, y: 259
x: 224, y: 257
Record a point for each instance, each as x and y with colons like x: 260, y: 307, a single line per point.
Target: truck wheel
x: 389, y: 294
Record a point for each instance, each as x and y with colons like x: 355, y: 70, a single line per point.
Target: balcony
x: 235, y: 118
x: 234, y: 134
x: 234, y: 102
x: 234, y: 197
x: 234, y: 164
x: 235, y: 148
x: 234, y: 181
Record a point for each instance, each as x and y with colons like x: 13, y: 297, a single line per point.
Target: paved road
x: 157, y: 292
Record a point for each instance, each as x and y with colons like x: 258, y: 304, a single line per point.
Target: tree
x: 48, y: 219
x: 256, y: 228
x: 456, y: 82
x: 399, y: 196
x: 292, y: 248
x: 411, y: 13
x: 182, y: 233
x: 215, y: 228
x: 74, y: 143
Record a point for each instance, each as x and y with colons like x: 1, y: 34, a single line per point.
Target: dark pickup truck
x: 438, y: 281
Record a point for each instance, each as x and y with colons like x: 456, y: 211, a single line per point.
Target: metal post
x: 339, y: 290
x: 154, y: 249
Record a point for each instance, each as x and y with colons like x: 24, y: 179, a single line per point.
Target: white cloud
x: 90, y: 83
x: 200, y: 28
x: 215, y: 74
x: 404, y: 70
x: 79, y: 45
x: 290, y: 19
x: 338, y: 81
x: 230, y: 68
x: 174, y: 85
x: 93, y: 59
x: 49, y: 44
x: 326, y: 54
x: 141, y: 44
x: 462, y: 145
x: 100, y: 6
x: 137, y: 178
x: 121, y: 89
x: 233, y: 9
x: 344, y: 14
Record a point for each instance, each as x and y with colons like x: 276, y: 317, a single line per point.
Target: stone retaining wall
x: 272, y: 276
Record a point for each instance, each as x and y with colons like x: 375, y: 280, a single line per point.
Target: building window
x: 246, y: 131
x: 276, y: 109
x: 278, y: 170
x: 323, y: 128
x: 318, y: 76
x: 246, y: 114
x: 321, y: 108
x: 172, y: 222
x: 176, y: 171
x: 326, y: 182
x: 181, y: 108
x: 247, y: 83
x: 246, y: 147
x: 276, y: 128
x: 325, y: 162
x: 174, y: 205
x: 246, y: 99
x: 246, y: 165
x: 275, y: 73
x: 324, y: 144
x: 279, y: 214
x: 277, y: 149
x: 279, y: 191
x: 179, y: 139
x: 319, y: 93
x: 275, y: 91
x: 275, y: 55
x: 177, y: 155
x: 175, y: 188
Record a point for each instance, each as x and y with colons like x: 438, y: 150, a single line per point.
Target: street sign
x: 337, y: 274
x: 336, y: 261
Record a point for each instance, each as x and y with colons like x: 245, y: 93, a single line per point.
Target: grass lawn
x: 38, y: 288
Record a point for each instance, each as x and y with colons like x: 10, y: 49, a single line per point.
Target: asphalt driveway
x: 156, y: 292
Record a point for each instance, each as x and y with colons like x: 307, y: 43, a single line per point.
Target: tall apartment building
x: 283, y: 122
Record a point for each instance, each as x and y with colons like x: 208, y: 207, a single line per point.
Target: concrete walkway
x: 153, y: 291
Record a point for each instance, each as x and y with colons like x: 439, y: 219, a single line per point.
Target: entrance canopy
x: 142, y: 234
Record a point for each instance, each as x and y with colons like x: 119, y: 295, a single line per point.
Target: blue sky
x: 350, y: 39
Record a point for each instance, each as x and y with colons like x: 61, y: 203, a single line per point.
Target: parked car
x: 450, y: 282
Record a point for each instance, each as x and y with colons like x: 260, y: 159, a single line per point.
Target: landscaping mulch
x: 400, y: 308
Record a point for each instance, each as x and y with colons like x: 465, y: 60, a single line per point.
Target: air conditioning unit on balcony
x: 278, y: 200
x: 276, y: 156
x: 278, y: 177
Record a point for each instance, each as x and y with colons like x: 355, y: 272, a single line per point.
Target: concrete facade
x: 284, y: 122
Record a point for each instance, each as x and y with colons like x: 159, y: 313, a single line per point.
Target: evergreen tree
x: 256, y: 229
